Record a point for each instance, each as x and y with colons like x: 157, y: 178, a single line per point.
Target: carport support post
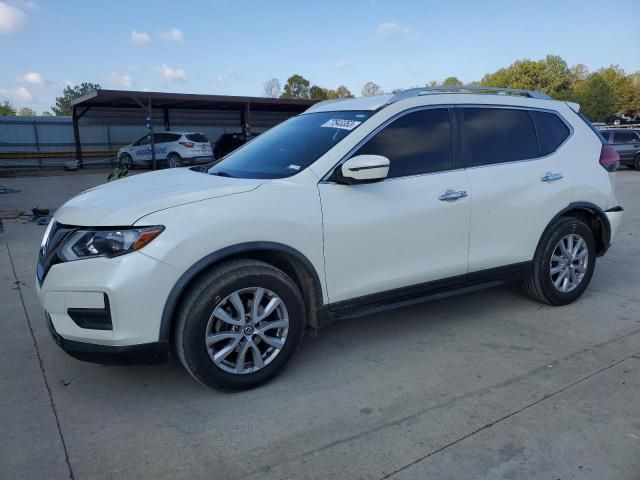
x: 150, y: 125
x: 76, y: 136
x: 167, y: 123
x: 245, y: 119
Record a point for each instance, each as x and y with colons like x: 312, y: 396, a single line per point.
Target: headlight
x: 90, y: 243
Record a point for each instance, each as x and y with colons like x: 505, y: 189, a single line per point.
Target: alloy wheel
x: 247, y: 330
x: 569, y: 263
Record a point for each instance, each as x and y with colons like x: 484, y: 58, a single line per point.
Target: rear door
x: 627, y: 144
x: 518, y: 183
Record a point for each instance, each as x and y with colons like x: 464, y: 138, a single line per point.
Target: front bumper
x: 147, y: 353
x: 111, y: 302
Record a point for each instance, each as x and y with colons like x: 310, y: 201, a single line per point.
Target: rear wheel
x: 636, y: 162
x: 239, y: 325
x: 174, y: 160
x: 563, y: 264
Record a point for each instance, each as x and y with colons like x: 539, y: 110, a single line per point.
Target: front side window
x: 416, y: 143
x: 143, y: 141
x: 290, y: 147
x: 497, y: 135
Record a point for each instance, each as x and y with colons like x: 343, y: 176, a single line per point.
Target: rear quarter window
x: 197, y: 137
x: 552, y: 132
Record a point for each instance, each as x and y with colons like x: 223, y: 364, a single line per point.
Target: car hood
x: 122, y: 202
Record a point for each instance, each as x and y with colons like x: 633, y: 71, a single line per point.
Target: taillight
x: 609, y: 158
x: 187, y: 144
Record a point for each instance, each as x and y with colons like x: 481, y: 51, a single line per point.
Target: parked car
x: 175, y: 148
x: 624, y: 118
x: 352, y: 207
x: 627, y: 143
x: 227, y: 143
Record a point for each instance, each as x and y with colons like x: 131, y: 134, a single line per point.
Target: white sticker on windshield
x: 341, y: 124
x: 294, y: 167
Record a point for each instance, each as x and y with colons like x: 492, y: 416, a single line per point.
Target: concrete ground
x: 486, y: 385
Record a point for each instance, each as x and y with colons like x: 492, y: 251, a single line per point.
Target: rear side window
x: 197, y: 137
x: 606, y: 135
x: 173, y: 137
x: 552, y: 131
x: 624, y: 137
x: 416, y: 143
x: 497, y: 135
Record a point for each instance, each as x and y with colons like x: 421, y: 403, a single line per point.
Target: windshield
x: 290, y: 147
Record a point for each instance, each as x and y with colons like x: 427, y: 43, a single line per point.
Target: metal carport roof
x: 165, y: 102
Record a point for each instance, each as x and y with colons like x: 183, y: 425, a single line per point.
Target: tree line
x: 600, y: 93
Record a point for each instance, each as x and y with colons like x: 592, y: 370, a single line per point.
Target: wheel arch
x: 593, y: 216
x: 281, y: 256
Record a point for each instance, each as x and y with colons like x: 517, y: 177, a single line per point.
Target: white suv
x: 176, y: 148
x: 351, y: 207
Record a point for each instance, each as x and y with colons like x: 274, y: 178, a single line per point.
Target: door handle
x: 452, y: 195
x: 551, y: 177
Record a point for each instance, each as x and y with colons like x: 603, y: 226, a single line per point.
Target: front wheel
x: 239, y: 325
x: 174, y: 160
x: 636, y: 162
x: 563, y: 264
x: 126, y: 161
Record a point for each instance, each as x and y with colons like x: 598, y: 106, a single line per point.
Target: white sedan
x: 176, y: 148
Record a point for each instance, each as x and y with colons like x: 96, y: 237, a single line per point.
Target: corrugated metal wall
x: 109, y: 129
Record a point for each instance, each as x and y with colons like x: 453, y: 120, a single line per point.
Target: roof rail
x: 416, y: 92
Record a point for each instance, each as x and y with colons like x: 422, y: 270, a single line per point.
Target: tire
x: 215, y: 291
x: 540, y: 284
x: 125, y: 160
x: 636, y: 162
x: 174, y: 160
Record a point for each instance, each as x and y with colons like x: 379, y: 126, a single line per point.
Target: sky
x: 232, y: 47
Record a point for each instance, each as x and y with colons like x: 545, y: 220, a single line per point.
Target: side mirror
x: 363, y: 169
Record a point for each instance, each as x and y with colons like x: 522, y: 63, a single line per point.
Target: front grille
x: 48, y: 255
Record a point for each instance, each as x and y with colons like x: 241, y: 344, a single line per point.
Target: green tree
x: 47, y: 114
x: 27, y: 112
x: 318, y: 93
x: 6, y: 109
x: 452, y: 82
x: 580, y: 71
x: 621, y: 85
x: 63, y: 103
x: 594, y: 95
x: 370, y: 89
x: 343, y: 92
x: 296, y: 87
x: 550, y: 75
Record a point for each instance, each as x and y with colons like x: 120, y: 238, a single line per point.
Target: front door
x: 409, y: 229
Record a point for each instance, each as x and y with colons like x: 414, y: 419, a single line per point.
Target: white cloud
x: 140, y: 38
x: 397, y: 30
x: 342, y: 64
x: 17, y: 93
x: 173, y: 35
x: 11, y: 18
x: 230, y: 73
x: 33, y: 78
x: 120, y: 79
x: 173, y: 74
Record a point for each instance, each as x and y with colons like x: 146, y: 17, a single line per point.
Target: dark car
x: 624, y: 118
x: 626, y: 141
x: 227, y: 143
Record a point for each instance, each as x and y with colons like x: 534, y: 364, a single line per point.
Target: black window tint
x: 197, y: 137
x: 624, y: 137
x: 497, y: 135
x: 144, y: 140
x: 159, y: 138
x: 551, y: 131
x: 416, y: 143
x: 606, y: 135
